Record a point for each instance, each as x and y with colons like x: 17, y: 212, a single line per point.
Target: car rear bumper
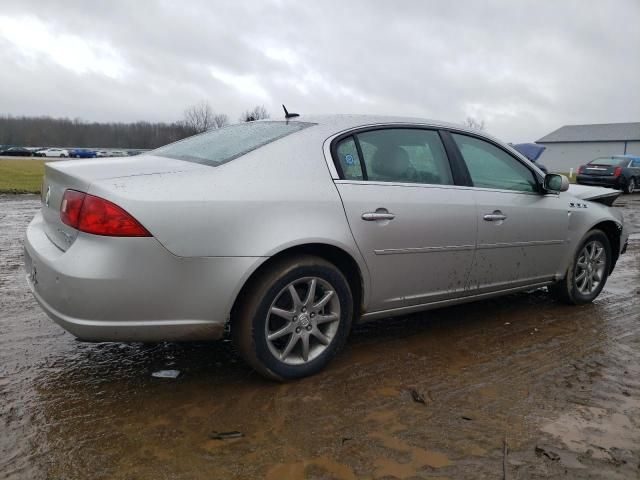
x: 600, y: 181
x: 131, y: 289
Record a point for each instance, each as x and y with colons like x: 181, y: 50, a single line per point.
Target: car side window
x: 635, y: 163
x: 407, y: 155
x: 492, y: 167
x: 349, y: 159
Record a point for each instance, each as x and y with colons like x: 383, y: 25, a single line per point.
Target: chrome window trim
x: 326, y: 146
x: 517, y: 156
x: 439, y: 185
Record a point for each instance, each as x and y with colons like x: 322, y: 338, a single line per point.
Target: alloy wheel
x: 590, y: 267
x: 303, y: 320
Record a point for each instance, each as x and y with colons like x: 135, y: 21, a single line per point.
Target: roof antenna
x: 289, y: 115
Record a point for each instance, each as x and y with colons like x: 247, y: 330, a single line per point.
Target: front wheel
x: 631, y: 186
x: 587, y: 272
x: 293, y: 318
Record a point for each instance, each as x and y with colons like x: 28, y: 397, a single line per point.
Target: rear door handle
x: 379, y: 214
x: 496, y: 216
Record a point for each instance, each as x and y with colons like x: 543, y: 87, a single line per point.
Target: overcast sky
x: 526, y: 68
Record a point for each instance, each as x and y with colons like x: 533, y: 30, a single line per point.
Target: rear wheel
x: 293, y: 318
x: 587, y: 272
x: 631, y: 185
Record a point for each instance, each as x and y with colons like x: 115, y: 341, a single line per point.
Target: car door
x: 522, y: 231
x: 634, y: 167
x: 415, y: 228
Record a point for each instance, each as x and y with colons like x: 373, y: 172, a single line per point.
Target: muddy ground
x: 561, y: 385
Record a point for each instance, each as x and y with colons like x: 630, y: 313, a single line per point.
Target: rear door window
x: 222, y: 145
x: 349, y: 159
x: 407, y: 155
x: 608, y: 161
x: 401, y: 155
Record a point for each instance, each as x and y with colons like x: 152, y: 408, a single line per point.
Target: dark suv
x: 617, y: 171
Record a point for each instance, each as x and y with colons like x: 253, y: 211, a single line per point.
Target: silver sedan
x: 285, y: 233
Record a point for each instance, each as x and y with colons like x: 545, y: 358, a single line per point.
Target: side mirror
x: 555, y: 182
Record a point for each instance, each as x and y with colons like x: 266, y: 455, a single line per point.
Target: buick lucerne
x: 282, y: 234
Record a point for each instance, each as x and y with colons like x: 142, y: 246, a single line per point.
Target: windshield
x: 222, y: 145
x: 607, y: 161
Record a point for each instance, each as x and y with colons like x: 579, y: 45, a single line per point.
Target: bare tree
x: 220, y: 120
x: 200, y: 117
x: 258, y: 113
x: 474, y: 123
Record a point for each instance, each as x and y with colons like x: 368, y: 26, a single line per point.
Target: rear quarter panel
x: 275, y: 197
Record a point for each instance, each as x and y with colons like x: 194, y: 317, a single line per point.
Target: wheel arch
x: 339, y: 257
x: 613, y: 231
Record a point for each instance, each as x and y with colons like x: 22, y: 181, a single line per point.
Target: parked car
x: 53, y: 152
x: 617, y: 171
x: 102, y: 153
x: 532, y: 151
x: 287, y: 232
x: 82, y: 153
x: 118, y: 153
x: 16, y: 152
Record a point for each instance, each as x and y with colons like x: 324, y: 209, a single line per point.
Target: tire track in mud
x: 563, y: 379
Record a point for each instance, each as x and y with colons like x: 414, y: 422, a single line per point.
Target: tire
x: 630, y: 187
x: 63, y: 156
x: 573, y: 289
x: 278, y: 358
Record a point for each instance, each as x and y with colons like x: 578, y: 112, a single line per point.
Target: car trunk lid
x: 80, y: 174
x: 599, y: 170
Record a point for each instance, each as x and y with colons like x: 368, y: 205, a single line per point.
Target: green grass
x: 21, y: 176
x: 25, y: 176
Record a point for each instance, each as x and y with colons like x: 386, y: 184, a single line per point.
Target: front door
x: 522, y: 232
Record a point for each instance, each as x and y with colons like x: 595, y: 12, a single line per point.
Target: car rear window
x: 222, y: 145
x: 608, y: 161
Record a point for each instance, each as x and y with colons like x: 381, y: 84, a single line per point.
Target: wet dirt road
x: 560, y: 384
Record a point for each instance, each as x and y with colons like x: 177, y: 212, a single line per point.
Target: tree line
x: 64, y: 132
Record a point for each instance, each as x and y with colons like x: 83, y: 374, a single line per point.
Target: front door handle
x: 379, y: 214
x: 496, y: 216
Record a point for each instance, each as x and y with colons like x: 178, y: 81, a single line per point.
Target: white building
x: 574, y: 145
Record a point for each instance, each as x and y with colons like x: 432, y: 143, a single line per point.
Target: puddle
x: 520, y: 367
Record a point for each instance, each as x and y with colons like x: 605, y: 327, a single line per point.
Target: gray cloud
x: 525, y: 67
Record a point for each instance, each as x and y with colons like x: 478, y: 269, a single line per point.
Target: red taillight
x: 71, y: 205
x: 617, y: 172
x: 98, y: 216
x: 580, y: 168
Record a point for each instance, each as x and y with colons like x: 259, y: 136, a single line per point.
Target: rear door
x: 415, y: 228
x: 634, y: 173
x: 522, y: 231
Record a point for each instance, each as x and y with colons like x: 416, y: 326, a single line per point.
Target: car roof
x: 337, y: 123
x: 626, y: 156
x: 332, y: 124
x: 347, y: 121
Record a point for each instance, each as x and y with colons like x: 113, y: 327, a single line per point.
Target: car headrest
x: 392, y: 161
